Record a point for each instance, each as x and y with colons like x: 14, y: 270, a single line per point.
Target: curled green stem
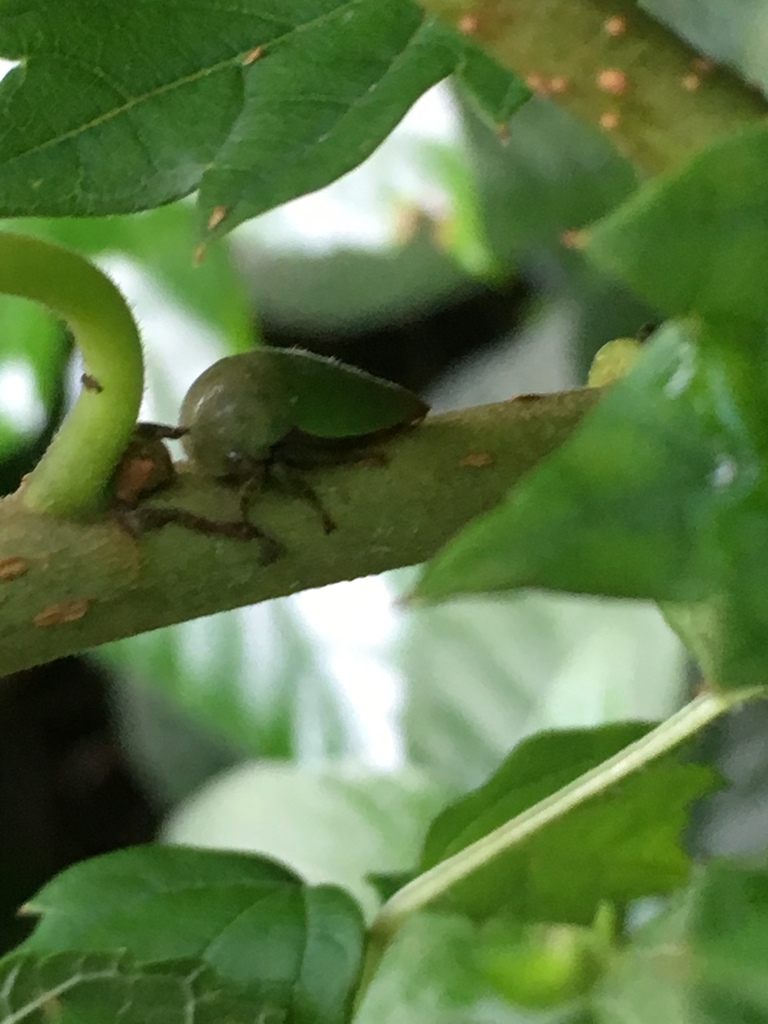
x: 72, y: 478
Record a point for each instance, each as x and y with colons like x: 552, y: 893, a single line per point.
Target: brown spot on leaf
x: 253, y: 55
x: 52, y: 1008
x: 690, y: 82
x: 218, y: 213
x: 467, y: 24
x: 557, y: 84
x: 536, y: 83
x: 609, y: 120
x: 616, y: 25
x: 547, y: 85
x: 11, y: 568
x: 613, y: 81
x: 63, y: 611
x: 703, y: 65
x: 574, y: 238
x: 476, y: 460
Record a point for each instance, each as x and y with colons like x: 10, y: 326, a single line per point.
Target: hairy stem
x: 70, y: 480
x: 66, y: 586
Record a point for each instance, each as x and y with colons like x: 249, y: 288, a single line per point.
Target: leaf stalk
x: 430, y: 885
x: 72, y: 478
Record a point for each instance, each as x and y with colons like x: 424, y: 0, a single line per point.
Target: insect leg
x: 158, y: 431
x: 156, y: 517
x: 293, y: 483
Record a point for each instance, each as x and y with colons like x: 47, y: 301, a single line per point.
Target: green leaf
x: 660, y: 494
x: 401, y: 234
x: 386, y: 885
x: 330, y: 92
x: 554, y: 174
x: 603, y: 514
x: 696, y: 240
x: 646, y: 982
x: 701, y: 962
x: 484, y: 673
x: 253, y: 105
x: 541, y: 966
x: 120, y: 135
x: 430, y: 975
x: 426, y: 975
x: 296, y: 814
x: 92, y: 988
x: 729, y: 940
x: 255, y: 922
x: 621, y: 845
x: 496, y: 93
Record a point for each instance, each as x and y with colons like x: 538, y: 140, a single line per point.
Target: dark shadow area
x: 65, y: 790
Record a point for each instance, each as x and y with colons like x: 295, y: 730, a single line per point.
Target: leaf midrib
x: 169, y: 86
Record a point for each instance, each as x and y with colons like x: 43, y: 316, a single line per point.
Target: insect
x: 263, y: 416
